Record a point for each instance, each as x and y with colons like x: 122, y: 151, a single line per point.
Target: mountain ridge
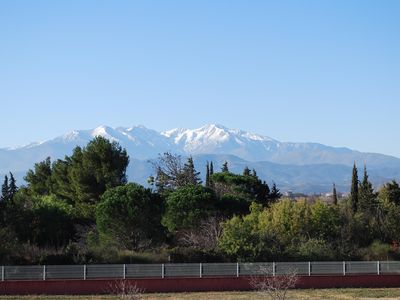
x: 255, y: 150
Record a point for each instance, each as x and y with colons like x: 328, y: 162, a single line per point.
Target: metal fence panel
x: 299, y: 268
x: 249, y: 269
x: 219, y: 269
x: 198, y: 270
x: 390, y: 267
x: 327, y: 268
x: 104, y: 271
x: 143, y: 270
x: 23, y: 273
x: 182, y: 270
x: 361, y: 267
x: 65, y: 272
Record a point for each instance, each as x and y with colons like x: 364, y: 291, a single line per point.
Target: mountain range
x: 300, y: 167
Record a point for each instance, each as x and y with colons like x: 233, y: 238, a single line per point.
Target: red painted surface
x: 85, y: 287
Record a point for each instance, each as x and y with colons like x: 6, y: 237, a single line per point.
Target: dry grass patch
x: 325, y: 294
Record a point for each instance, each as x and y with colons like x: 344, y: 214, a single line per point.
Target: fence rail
x: 122, y: 271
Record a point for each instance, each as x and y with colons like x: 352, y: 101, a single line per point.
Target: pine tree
x: 354, y: 189
x: 12, y: 188
x: 207, y: 175
x: 191, y: 176
x: 334, y: 195
x: 5, y: 190
x: 254, y: 173
x: 366, y: 193
x: 211, y: 168
x: 246, y: 171
x: 225, y: 168
x: 275, y: 193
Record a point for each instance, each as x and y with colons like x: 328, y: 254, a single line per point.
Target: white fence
x: 123, y: 271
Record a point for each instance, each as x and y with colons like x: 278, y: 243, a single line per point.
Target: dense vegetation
x: 81, y: 209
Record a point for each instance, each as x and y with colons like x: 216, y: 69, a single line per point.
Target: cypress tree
x: 5, y: 190
x: 211, y: 168
x: 211, y: 173
x: 334, y: 195
x: 354, y: 189
x: 207, y: 175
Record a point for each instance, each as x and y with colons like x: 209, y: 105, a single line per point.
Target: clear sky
x: 321, y: 71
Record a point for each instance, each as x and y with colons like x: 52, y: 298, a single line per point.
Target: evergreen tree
x: 207, y: 175
x: 225, y: 168
x: 246, y: 171
x: 211, y: 169
x: 254, y: 174
x: 191, y: 176
x: 5, y: 190
x: 12, y: 189
x: 391, y: 192
x: 354, y: 189
x: 275, y: 193
x: 334, y: 195
x: 367, y: 196
x: 40, y: 178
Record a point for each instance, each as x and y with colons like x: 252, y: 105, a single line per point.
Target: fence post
x: 201, y: 270
x: 378, y: 267
x: 162, y: 271
x: 84, y: 272
x: 2, y: 273
x: 344, y: 268
x: 124, y: 271
x: 44, y: 272
x: 273, y: 269
x: 309, y: 268
x: 237, y: 270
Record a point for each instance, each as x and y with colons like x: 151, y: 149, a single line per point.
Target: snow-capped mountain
x: 253, y: 149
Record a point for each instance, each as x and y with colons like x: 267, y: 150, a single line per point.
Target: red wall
x: 82, y: 287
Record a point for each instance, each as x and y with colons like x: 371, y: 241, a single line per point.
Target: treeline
x: 81, y: 209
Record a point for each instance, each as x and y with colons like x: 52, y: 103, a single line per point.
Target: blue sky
x: 322, y: 71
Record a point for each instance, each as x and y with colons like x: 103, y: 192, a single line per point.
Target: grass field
x: 295, y: 294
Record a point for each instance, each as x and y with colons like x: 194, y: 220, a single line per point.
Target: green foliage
x: 8, y: 245
x: 315, y: 249
x: 225, y: 168
x: 248, y: 187
x: 39, y: 179
x: 97, y: 167
x: 172, y: 174
x: 52, y: 222
x: 354, y: 189
x: 334, y: 195
x: 4, y: 190
x: 376, y: 251
x: 367, y: 197
x: 390, y: 192
x: 131, y: 215
x: 241, y: 236
x: 83, y: 177
x: 187, y: 206
x: 190, y: 175
x: 325, y: 221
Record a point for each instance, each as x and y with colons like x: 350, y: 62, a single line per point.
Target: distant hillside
x: 302, y: 167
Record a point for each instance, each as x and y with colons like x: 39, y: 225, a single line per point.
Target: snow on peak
x: 105, y: 132
x: 71, y: 136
